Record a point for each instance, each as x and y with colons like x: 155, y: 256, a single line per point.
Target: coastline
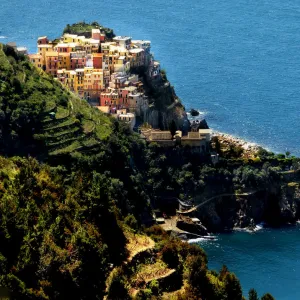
x: 227, y: 139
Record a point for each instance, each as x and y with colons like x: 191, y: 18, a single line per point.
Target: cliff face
x: 161, y: 119
x: 276, y: 206
x: 164, y: 106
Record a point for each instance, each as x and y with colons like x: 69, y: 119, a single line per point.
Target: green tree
x: 253, y: 295
x: 170, y: 255
x: 233, y: 287
x: 267, y: 297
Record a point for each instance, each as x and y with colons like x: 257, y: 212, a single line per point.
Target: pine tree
x: 267, y: 297
x: 253, y: 294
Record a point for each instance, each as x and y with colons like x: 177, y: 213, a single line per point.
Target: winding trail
x: 212, y: 198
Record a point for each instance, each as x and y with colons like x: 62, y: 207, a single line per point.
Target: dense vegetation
x: 73, y: 217
x: 83, y: 28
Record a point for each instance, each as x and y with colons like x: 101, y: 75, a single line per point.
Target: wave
x: 192, y: 241
x: 257, y: 227
x: 205, y: 238
x: 3, y: 37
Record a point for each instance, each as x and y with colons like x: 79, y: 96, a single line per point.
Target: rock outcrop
x: 164, y: 106
x: 276, y: 206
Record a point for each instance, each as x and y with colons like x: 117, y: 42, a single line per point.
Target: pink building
x: 78, y: 62
x: 116, y: 99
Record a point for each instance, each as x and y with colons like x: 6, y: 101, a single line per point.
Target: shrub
x: 170, y: 255
x: 131, y: 221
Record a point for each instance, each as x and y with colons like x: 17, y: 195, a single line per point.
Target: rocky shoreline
x: 228, y: 139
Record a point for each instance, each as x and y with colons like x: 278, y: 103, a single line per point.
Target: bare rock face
x: 164, y: 108
x: 161, y: 119
x: 277, y: 205
x: 290, y: 202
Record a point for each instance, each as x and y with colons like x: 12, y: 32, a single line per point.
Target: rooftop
x: 67, y: 45
x: 96, y: 30
x: 131, y: 115
x: 121, y: 38
x: 52, y: 53
x: 68, y: 35
x: 45, y: 46
x: 136, y: 50
x: 205, y: 131
x: 34, y: 56
x: 140, y: 42
x: 63, y: 54
x: 195, y: 220
x: 130, y: 88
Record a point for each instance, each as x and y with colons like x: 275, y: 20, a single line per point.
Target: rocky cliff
x: 276, y: 205
x: 164, y: 105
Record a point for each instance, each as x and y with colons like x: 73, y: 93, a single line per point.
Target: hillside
x: 39, y: 117
x: 83, y: 28
x: 75, y: 219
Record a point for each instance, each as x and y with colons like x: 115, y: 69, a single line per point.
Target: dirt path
x: 212, y: 198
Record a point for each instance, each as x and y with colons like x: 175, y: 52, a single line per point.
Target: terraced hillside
x: 37, y: 115
x: 76, y: 127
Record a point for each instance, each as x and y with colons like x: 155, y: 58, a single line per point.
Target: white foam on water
x: 3, y: 37
x: 259, y: 226
x: 192, y: 241
x: 210, y: 239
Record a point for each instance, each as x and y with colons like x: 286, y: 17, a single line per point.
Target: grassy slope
x: 76, y: 125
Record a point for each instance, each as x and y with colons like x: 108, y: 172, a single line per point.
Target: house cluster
x: 98, y: 70
x: 199, y: 140
x: 104, y: 72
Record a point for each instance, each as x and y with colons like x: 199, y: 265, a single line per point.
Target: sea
x: 267, y: 260
x: 237, y: 61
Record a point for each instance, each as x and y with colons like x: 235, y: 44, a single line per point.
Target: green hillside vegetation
x: 76, y: 193
x: 38, y: 116
x: 83, y: 28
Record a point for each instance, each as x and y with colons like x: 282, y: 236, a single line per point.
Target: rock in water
x: 194, y: 112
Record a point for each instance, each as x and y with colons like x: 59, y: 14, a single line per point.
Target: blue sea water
x: 267, y: 260
x: 237, y: 61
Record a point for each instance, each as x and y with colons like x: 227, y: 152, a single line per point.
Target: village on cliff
x: 106, y: 73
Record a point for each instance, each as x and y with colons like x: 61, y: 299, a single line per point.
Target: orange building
x: 52, y: 63
x: 64, y: 61
x: 97, y: 60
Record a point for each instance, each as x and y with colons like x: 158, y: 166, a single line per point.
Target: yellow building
x: 43, y: 49
x: 93, y: 83
x: 69, y: 80
x: 79, y: 82
x: 64, y: 61
x: 51, y: 62
x: 36, y: 59
x: 72, y: 38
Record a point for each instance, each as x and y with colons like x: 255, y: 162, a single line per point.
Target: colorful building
x: 36, y: 59
x: 51, y: 63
